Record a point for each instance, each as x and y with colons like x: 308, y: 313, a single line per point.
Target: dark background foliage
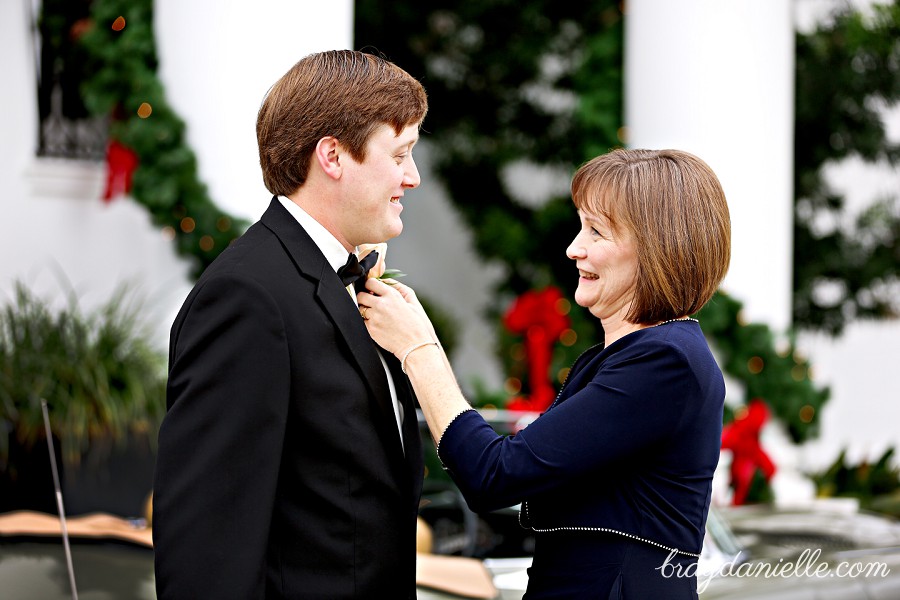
x: 848, y: 71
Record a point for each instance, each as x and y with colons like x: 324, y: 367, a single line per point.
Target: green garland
x: 122, y: 84
x: 781, y: 377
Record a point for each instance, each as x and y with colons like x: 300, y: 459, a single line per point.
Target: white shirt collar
x: 334, y: 251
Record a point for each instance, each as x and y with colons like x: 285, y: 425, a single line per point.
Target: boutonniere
x: 379, y: 270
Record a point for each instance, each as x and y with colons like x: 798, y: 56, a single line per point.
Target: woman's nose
x: 576, y: 249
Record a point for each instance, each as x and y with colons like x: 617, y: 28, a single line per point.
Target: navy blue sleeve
x: 630, y: 406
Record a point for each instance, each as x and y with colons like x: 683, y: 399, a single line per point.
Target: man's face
x: 371, y: 191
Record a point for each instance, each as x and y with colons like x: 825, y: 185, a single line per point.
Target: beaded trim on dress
x: 524, y: 509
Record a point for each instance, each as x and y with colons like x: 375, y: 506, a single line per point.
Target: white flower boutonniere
x: 380, y: 270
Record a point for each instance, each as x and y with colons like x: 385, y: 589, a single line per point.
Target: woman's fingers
x: 393, y: 315
x: 378, y: 287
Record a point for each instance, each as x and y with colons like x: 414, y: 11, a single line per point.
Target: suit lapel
x: 338, y: 306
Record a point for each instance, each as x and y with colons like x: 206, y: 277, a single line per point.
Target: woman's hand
x: 394, y: 317
x: 398, y: 323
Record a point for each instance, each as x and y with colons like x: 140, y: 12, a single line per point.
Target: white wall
x: 57, y: 235
x: 218, y: 60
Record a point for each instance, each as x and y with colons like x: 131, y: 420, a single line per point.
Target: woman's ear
x: 327, y: 154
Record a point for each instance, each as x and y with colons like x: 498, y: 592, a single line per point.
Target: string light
x: 568, y: 337
x: 489, y: 412
x: 118, y: 24
x: 807, y: 413
x: 144, y: 110
x: 188, y: 224
x: 512, y: 386
x: 755, y: 365
x: 207, y: 243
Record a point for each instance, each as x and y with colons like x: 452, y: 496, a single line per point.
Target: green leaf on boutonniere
x: 391, y: 274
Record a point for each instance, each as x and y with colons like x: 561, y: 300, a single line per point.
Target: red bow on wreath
x: 536, y: 315
x: 121, y: 162
x: 741, y: 436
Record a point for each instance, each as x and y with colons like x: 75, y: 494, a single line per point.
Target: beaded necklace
x: 673, y: 320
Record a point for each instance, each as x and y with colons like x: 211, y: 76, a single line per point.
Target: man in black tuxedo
x: 290, y: 463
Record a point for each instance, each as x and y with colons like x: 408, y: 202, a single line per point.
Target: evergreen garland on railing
x: 122, y: 84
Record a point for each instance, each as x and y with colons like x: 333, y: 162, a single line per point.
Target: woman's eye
x: 400, y: 158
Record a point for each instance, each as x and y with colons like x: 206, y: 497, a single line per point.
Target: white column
x: 715, y: 78
x: 218, y: 60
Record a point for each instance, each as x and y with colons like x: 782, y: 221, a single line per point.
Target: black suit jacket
x: 280, y: 471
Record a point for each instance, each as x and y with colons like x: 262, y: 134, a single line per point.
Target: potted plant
x: 105, y: 386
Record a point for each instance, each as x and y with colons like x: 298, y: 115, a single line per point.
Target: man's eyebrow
x: 409, y: 144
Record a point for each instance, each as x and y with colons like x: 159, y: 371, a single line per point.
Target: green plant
x: 99, y: 374
x: 876, y: 485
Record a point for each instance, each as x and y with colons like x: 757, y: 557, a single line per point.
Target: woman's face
x: 607, y: 266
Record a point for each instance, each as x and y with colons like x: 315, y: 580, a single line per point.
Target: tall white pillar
x: 218, y: 60
x: 716, y: 78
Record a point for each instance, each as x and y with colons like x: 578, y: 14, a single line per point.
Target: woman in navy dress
x: 615, y: 477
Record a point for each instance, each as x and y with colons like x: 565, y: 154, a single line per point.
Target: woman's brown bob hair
x: 673, y: 207
x: 340, y: 93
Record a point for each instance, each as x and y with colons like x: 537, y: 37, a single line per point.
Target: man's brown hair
x: 341, y: 93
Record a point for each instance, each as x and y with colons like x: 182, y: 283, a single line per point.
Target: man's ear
x: 327, y: 155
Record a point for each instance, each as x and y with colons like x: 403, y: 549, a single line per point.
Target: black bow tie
x: 355, y: 271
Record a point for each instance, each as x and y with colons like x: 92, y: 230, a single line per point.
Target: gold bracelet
x: 410, y: 351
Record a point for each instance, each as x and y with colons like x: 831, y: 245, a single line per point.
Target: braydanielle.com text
x: 806, y: 565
